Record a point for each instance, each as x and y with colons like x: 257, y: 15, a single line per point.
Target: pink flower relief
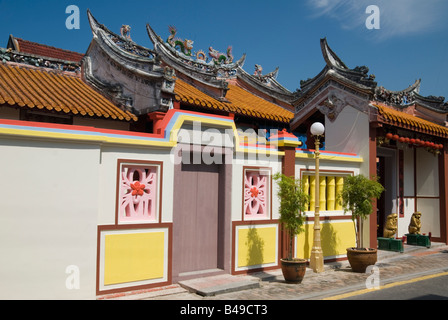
x: 138, y: 193
x: 255, y: 194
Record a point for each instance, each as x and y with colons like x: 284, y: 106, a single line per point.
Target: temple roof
x: 357, y: 81
x: 25, y: 46
x: 357, y: 77
x: 38, y: 89
x: 217, y: 82
x: 119, y: 43
x: 239, y: 101
x: 217, y: 68
x: 404, y: 120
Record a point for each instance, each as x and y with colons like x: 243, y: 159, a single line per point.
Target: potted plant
x: 358, y: 194
x: 293, y: 202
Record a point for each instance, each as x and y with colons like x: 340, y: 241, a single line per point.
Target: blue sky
x: 412, y: 41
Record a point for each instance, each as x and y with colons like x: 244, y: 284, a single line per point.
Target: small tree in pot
x: 293, y: 201
x: 358, y: 194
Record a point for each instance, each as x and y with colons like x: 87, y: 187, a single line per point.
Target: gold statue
x: 416, y: 223
x: 391, y: 226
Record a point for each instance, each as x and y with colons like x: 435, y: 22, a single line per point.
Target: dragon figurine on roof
x: 221, y: 58
x: 185, y: 46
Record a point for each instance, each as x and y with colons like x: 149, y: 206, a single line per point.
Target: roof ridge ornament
x: 330, y: 57
x: 183, y: 45
x: 219, y: 57
x: 123, y: 40
x: 196, y: 64
x: 125, y: 31
x: 9, y: 55
x: 334, y: 65
x: 258, y: 73
x: 401, y: 98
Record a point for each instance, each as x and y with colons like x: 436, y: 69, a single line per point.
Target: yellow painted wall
x: 336, y: 237
x: 256, y: 246
x: 133, y: 257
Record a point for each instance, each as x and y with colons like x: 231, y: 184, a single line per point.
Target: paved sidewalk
x: 336, y: 279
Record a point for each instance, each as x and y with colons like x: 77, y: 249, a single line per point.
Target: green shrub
x: 293, y: 201
x: 357, y: 196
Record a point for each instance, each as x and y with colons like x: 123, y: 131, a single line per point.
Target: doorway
x: 387, y: 174
x: 381, y: 203
x: 201, y: 219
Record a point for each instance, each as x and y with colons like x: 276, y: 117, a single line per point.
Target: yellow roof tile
x: 399, y: 117
x: 240, y: 101
x: 32, y: 88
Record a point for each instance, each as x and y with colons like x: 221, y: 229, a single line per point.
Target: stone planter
x: 293, y: 270
x: 361, y: 258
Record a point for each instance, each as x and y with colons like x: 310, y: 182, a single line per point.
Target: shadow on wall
x: 255, y: 245
x: 309, y: 233
x: 329, y: 240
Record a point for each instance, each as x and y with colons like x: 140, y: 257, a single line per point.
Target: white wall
x: 427, y: 174
x: 243, y: 160
x: 108, y: 179
x: 48, y: 218
x: 428, y: 186
x: 349, y: 133
x: 408, y: 191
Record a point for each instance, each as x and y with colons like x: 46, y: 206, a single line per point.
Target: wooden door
x: 196, y: 218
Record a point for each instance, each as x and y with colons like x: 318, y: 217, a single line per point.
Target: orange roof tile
x: 37, y: 89
x: 402, y: 119
x: 240, y: 102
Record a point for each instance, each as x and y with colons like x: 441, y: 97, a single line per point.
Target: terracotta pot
x: 293, y: 270
x: 360, y: 259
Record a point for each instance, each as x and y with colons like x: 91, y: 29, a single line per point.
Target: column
x: 331, y: 193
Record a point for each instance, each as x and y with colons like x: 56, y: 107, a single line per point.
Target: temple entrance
x: 199, y: 220
x: 387, y: 174
x: 381, y: 216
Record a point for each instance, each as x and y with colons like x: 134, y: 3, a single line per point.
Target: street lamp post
x: 317, y: 258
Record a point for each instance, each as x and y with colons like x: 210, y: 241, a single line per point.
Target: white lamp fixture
x: 317, y: 129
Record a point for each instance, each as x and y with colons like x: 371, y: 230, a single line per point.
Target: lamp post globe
x: 317, y: 129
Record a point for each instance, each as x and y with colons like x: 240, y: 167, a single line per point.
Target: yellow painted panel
x: 335, y: 239
x: 256, y: 246
x: 133, y: 257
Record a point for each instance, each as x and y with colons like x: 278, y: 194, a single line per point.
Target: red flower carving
x: 137, y: 188
x: 254, y: 192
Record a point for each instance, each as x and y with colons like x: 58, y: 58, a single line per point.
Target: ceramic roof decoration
x: 25, y: 46
x: 129, y: 74
x: 216, y: 69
